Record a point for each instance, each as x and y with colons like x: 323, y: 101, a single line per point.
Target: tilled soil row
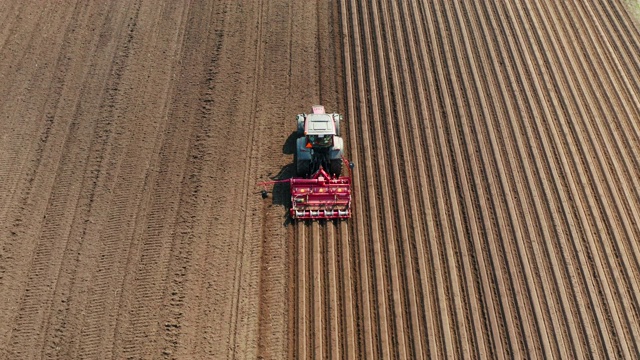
x: 495, y: 191
x: 496, y: 194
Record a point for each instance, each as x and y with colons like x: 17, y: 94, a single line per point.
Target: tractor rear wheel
x: 336, y: 167
x: 302, y: 167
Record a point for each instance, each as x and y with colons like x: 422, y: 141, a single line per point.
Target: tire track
x: 107, y: 169
x: 59, y: 108
x: 24, y: 148
x: 244, y: 274
x: 495, y: 195
x: 147, y: 257
x: 10, y: 11
x: 46, y: 265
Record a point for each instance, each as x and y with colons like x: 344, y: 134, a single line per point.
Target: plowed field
x: 497, y: 180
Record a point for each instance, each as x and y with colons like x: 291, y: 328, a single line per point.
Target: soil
x: 496, y: 205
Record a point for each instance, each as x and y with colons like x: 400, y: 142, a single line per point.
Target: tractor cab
x: 319, y: 144
x: 319, y: 141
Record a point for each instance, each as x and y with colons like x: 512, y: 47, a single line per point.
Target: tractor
x: 320, y: 190
x: 319, y: 144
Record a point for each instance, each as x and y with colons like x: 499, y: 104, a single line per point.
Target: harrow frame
x: 318, y: 197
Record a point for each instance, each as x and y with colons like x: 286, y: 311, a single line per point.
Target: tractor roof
x: 320, y: 124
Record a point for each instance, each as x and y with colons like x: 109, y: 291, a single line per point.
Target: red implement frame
x: 319, y: 197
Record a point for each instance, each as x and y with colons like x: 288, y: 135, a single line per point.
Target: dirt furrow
x: 498, y: 71
x: 455, y: 169
x: 602, y: 49
x: 302, y: 294
x: 317, y: 276
x: 384, y: 153
x: 444, y: 337
x: 579, y: 298
x: 347, y: 322
x: 623, y: 131
x: 411, y: 43
x: 481, y: 102
x: 495, y: 195
x: 317, y: 331
x: 612, y: 26
x: 399, y: 261
x: 562, y: 247
x: 365, y: 179
x: 405, y: 179
x: 603, y: 88
x: 476, y: 241
x: 578, y: 151
x: 515, y: 211
x: 579, y: 215
x: 333, y: 305
x: 353, y: 90
x: 608, y: 165
x: 500, y: 215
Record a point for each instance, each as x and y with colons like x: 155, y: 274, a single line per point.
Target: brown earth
x: 497, y: 180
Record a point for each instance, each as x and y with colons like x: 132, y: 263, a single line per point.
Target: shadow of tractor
x: 289, y: 146
x: 281, y: 192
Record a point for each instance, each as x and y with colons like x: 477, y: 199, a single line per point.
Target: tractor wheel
x: 302, y: 167
x: 300, y: 123
x: 336, y: 167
